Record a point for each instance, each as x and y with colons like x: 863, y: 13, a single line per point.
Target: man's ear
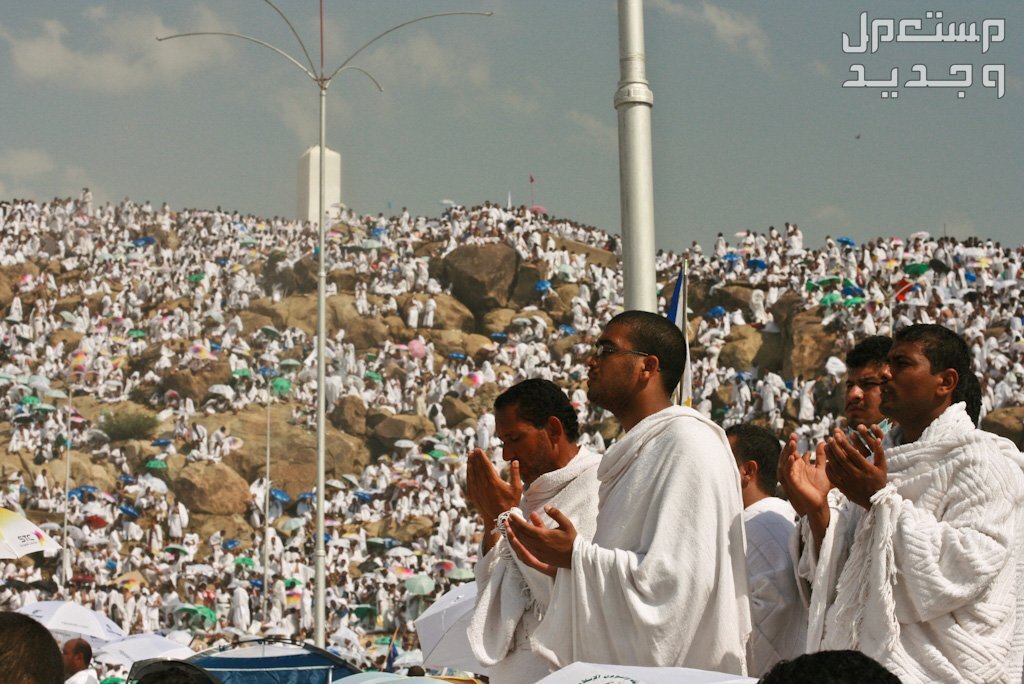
x: 554, y: 428
x: 748, y: 472
x: 651, y: 364
x: 948, y: 381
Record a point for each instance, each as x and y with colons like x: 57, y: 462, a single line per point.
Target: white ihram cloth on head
x: 930, y: 580
x: 512, y: 597
x: 663, y: 583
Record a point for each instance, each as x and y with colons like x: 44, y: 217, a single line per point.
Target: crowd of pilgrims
x: 133, y: 555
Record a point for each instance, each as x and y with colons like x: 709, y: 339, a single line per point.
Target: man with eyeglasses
x: 663, y: 581
x: 864, y: 366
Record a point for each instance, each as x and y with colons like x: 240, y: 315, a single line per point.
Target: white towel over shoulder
x: 512, y: 597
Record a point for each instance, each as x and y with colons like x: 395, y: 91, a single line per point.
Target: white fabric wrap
x: 663, y: 583
x: 512, y: 597
x: 930, y: 580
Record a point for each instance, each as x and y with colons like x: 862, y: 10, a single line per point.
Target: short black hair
x: 760, y: 445
x: 28, y: 651
x: 830, y: 667
x: 658, y: 336
x: 869, y: 351
x: 944, y: 349
x: 537, y: 400
x: 83, y: 648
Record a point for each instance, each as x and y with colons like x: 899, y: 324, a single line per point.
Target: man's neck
x: 912, y: 431
x: 751, y: 495
x: 640, y: 409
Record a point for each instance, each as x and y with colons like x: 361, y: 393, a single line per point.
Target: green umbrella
x: 242, y: 373
x: 830, y: 299
x: 810, y: 286
x: 436, y: 453
x: 156, y: 465
x: 270, y: 331
x: 420, y: 585
x: 31, y: 400
x: 461, y: 574
x: 292, y: 583
x: 56, y: 394
x: 248, y: 243
x: 112, y: 680
x: 290, y: 363
x: 197, y: 277
x: 44, y: 408
x: 246, y: 561
x: 853, y: 301
x: 136, y: 333
x: 363, y: 610
x: 829, y: 280
x: 280, y: 385
x: 176, y: 549
x: 372, y: 376
x: 915, y: 270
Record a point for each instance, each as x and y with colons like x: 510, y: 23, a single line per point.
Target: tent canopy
x: 270, y: 661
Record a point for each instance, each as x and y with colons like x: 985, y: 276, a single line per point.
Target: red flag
x: 531, y: 179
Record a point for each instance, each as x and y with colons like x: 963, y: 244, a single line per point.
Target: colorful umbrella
x: 20, y: 536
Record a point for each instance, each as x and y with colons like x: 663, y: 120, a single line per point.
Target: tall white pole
x: 321, y: 395
x: 66, y: 553
x: 266, y: 519
x: 633, y: 102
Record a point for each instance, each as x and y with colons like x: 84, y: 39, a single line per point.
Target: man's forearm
x: 818, y: 521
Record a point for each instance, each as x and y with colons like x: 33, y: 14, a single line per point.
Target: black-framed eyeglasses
x: 602, y: 350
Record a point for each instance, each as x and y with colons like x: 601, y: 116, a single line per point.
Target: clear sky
x: 751, y: 124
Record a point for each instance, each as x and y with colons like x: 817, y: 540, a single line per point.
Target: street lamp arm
x: 362, y: 71
x: 250, y: 39
x: 402, y: 25
x: 295, y: 33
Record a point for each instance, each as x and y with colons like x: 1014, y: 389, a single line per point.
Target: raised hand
x: 490, y: 494
x: 853, y: 474
x: 807, y: 484
x: 539, y: 547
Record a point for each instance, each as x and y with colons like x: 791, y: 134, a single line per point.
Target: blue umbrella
x: 162, y: 442
x: 715, y: 312
x: 365, y: 497
x: 377, y: 232
x: 231, y: 544
x: 307, y: 495
x: 732, y: 256
x: 267, y: 372
x: 258, y: 583
x: 128, y: 510
x: 144, y: 241
x: 542, y: 286
x: 126, y: 478
x: 457, y: 355
x: 214, y: 346
x: 76, y: 492
x: 111, y: 564
x: 280, y: 495
x: 852, y: 291
x: 757, y: 264
x: 567, y: 329
x: 223, y: 261
x: 970, y: 277
x: 849, y: 242
x: 499, y: 336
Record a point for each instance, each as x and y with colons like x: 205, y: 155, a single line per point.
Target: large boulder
x: 349, y: 415
x: 806, y: 343
x: 497, y: 320
x: 212, y: 488
x: 524, y: 291
x: 1006, y: 422
x: 595, y: 255
x: 196, y: 384
x: 481, y: 276
x: 741, y: 348
x: 394, y: 428
x: 455, y: 411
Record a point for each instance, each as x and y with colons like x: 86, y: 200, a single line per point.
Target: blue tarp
x: 274, y: 662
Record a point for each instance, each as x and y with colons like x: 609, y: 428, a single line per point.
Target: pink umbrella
x: 537, y: 209
x: 417, y: 349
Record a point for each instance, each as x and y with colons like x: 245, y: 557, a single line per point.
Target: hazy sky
x: 751, y: 124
